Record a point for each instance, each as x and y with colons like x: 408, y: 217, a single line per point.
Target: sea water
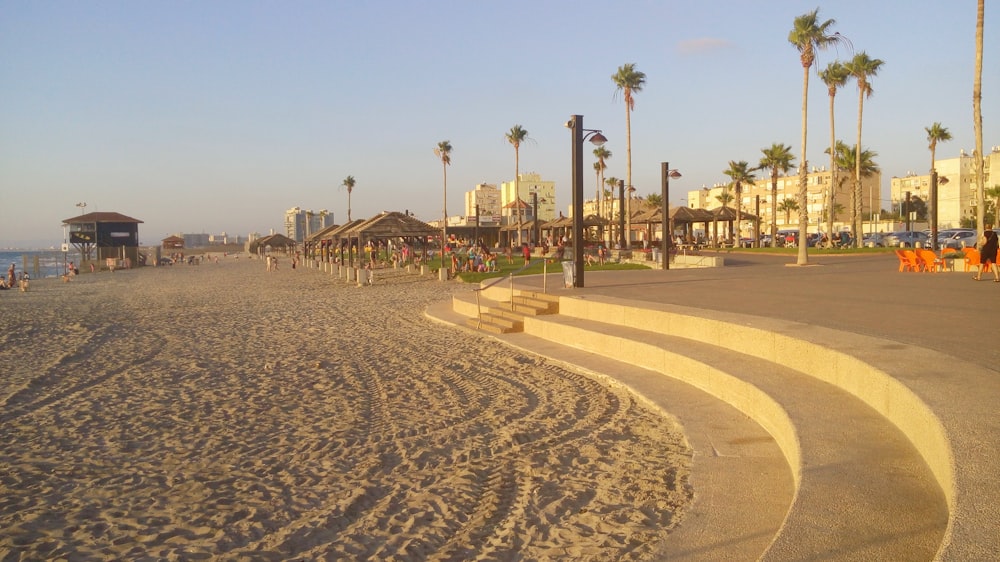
x: 38, y: 263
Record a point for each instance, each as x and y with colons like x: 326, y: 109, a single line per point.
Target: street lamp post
x: 934, y: 208
x: 579, y: 134
x: 621, y: 214
x: 665, y: 174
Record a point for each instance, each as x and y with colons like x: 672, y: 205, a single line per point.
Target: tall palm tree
x: 609, y: 198
x: 935, y: 133
x: 977, y: 121
x: 349, y: 184
x: 777, y: 159
x: 862, y: 67
x: 515, y: 137
x: 740, y: 173
x: 629, y: 81
x: 602, y: 154
x: 443, y: 151
x: 835, y: 76
x: 807, y: 35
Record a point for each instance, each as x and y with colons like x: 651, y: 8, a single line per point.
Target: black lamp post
x: 579, y: 134
x: 621, y: 214
x: 665, y: 174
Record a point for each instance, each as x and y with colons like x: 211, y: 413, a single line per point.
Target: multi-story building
x: 487, y: 198
x: 299, y: 224
x: 818, y: 186
x: 528, y: 187
x: 957, y: 199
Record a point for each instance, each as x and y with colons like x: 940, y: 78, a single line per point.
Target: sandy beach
x: 220, y: 411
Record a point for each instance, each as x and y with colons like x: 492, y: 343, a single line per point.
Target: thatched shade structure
x: 275, y: 242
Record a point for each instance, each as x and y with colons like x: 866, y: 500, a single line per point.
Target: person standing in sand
x: 11, y: 276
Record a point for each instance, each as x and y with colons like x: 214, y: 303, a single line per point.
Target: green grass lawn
x: 536, y: 268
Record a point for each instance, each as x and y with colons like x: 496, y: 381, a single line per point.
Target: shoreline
x: 221, y: 410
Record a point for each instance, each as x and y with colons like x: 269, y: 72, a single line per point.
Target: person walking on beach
x: 988, y: 256
x: 11, y: 275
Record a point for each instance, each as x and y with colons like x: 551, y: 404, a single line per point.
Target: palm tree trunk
x: 627, y: 238
x: 857, y: 174
x: 517, y: 194
x: 774, y: 209
x: 444, y: 210
x: 803, y: 252
x: 739, y: 217
x: 833, y: 178
x: 977, y: 122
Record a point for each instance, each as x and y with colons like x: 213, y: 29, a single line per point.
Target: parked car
x: 876, y: 239
x: 904, y: 239
x: 957, y: 238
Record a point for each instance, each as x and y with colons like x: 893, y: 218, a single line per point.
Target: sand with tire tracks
x: 221, y: 411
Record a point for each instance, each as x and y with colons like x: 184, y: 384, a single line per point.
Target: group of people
x: 12, y: 280
x: 477, y: 260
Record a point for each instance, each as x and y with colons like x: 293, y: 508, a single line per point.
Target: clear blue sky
x: 218, y: 116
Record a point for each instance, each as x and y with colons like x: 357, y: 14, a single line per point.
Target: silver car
x: 958, y: 239
x: 904, y: 239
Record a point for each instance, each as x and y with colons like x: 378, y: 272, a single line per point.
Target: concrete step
x: 494, y: 325
x: 862, y: 490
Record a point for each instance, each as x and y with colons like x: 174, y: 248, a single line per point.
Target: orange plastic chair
x: 931, y: 263
x: 904, y: 263
x: 971, y: 258
x: 916, y: 264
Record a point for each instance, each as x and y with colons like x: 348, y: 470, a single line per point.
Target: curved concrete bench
x: 872, y: 369
x: 828, y: 355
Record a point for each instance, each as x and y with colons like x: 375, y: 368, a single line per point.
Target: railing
x: 510, y: 277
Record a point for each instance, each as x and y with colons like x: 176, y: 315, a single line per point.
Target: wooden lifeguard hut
x: 104, y: 236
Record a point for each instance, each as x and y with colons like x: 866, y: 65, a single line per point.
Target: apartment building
x: 755, y: 199
x: 957, y: 199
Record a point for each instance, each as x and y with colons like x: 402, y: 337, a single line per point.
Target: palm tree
x: 787, y: 206
x: 629, y: 81
x: 778, y: 159
x: 807, y: 35
x: 349, y: 184
x: 835, y: 76
x: 516, y: 136
x: 443, y: 151
x: 741, y: 174
x: 861, y: 67
x: 724, y: 197
x: 935, y: 133
x: 977, y: 120
x: 602, y: 154
x: 845, y: 158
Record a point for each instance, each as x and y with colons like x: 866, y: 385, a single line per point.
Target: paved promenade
x: 947, y: 312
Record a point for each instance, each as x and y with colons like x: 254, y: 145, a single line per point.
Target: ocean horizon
x: 38, y: 263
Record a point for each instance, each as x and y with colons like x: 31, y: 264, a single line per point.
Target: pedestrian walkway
x: 907, y: 344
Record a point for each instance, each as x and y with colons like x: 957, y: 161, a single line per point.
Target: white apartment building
x: 299, y: 223
x: 487, y: 197
x: 529, y: 186
x: 957, y: 199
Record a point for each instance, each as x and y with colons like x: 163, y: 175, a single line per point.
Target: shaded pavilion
x: 381, y: 229
x: 727, y: 216
x: 276, y: 242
